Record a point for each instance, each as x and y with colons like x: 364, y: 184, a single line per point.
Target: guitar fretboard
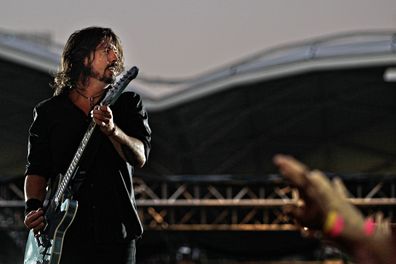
x: 73, y: 165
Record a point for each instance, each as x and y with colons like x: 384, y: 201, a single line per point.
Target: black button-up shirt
x: 106, y: 196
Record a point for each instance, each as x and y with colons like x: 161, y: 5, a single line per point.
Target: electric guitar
x: 60, y: 209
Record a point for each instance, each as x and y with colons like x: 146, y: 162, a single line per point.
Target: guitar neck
x: 110, y: 98
x: 74, y: 163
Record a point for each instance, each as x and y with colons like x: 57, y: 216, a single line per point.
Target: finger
x: 382, y: 224
x: 103, y: 121
x: 386, y: 227
x: 99, y: 119
x: 105, y: 108
x: 101, y: 124
x: 101, y: 113
x: 31, y: 224
x: 33, y: 215
x: 38, y: 228
x: 321, y: 185
x: 27, y: 222
x: 102, y: 110
x: 37, y: 222
x: 340, y: 188
x: 292, y: 169
x: 379, y: 217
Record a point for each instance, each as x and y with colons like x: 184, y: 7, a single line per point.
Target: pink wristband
x: 338, y: 227
x: 369, y: 227
x: 334, y: 224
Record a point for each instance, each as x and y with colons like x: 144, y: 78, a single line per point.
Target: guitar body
x: 47, y: 248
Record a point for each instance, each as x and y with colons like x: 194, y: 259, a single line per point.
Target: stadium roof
x: 230, y: 119
x: 344, y: 50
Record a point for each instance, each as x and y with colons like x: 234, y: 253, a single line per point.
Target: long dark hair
x: 78, y: 47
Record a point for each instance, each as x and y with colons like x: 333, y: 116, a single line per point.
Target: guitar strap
x: 86, y: 162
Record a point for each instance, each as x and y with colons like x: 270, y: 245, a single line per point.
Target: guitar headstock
x: 130, y: 74
x: 119, y: 87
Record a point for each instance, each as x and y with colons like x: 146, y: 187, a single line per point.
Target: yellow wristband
x: 334, y: 224
x: 330, y: 221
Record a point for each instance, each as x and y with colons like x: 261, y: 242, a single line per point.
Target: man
x: 106, y: 224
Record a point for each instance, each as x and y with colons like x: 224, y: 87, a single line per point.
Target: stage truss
x: 219, y: 202
x: 224, y: 204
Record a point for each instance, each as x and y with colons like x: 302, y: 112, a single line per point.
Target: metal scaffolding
x: 214, y: 203
x: 219, y: 202
x: 224, y: 204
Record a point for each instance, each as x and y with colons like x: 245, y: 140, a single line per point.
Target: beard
x: 107, y: 77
